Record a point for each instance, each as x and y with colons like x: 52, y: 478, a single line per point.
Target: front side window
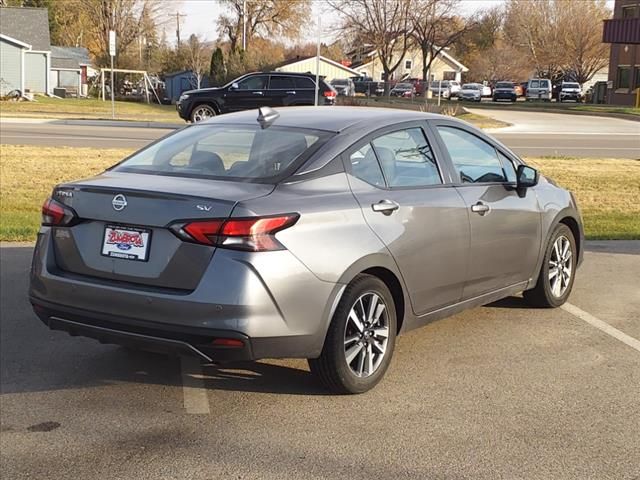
x: 534, y: 84
x: 407, y: 159
x: 475, y: 160
x: 226, y: 152
x: 258, y: 82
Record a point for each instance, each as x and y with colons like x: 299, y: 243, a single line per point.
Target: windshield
x: 404, y: 85
x: 504, y: 85
x: 229, y: 152
x: 469, y: 86
x: 570, y: 85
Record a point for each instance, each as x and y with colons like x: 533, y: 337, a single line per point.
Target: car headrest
x: 209, y: 162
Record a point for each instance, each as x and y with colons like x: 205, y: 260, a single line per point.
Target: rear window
x: 504, y: 85
x: 570, y: 85
x: 469, y: 86
x: 228, y: 152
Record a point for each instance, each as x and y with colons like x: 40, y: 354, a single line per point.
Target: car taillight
x: 254, y: 234
x: 329, y: 93
x: 55, y: 213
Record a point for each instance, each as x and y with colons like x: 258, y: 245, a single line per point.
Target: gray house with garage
x: 25, y: 50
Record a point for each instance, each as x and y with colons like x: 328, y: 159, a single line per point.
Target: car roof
x: 329, y: 118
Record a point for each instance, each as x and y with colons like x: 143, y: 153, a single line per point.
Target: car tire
x: 356, y: 352
x: 202, y: 112
x: 552, y: 290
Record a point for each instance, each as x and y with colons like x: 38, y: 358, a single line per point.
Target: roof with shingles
x: 29, y: 25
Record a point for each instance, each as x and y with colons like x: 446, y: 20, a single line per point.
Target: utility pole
x: 178, y: 15
x: 244, y: 25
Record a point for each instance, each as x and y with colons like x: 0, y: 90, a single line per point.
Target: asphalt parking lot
x: 501, y: 391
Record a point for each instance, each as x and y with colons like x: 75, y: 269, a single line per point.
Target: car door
x: 410, y: 204
x: 250, y: 92
x: 505, y: 222
x: 305, y: 91
x: 282, y: 91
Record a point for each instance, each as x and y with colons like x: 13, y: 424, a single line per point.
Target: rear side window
x: 534, y: 84
x: 304, y: 82
x: 365, y: 166
x: 258, y: 82
x: 282, y: 83
x: 406, y: 159
x: 475, y: 160
x: 228, y: 152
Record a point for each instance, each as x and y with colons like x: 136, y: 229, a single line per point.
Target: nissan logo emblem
x: 119, y: 202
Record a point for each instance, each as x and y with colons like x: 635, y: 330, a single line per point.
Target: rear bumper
x: 240, y: 296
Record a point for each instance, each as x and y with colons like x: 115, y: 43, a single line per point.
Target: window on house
x: 637, y: 82
x: 630, y: 11
x: 408, y: 64
x: 623, y: 77
x: 448, y: 75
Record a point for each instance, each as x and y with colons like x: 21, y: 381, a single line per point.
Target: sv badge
x: 204, y: 208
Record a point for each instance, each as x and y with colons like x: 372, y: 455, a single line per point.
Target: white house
x: 328, y: 68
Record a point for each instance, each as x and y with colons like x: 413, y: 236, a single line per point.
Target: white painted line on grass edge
x: 599, y: 324
x: 193, y: 389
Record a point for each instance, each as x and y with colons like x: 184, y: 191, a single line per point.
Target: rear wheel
x: 361, y: 338
x: 557, y: 273
x: 202, y: 112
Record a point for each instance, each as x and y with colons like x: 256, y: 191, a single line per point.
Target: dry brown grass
x: 607, y: 190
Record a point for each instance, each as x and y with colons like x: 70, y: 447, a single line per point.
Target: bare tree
x: 435, y: 27
x: 197, y: 59
x: 586, y: 54
x: 385, y: 25
x: 266, y: 18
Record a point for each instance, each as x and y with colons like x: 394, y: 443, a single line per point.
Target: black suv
x: 254, y: 90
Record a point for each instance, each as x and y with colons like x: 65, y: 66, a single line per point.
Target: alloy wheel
x: 203, y: 112
x: 366, y: 334
x: 560, y: 266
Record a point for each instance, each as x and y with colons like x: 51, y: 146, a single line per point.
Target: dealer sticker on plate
x: 129, y: 243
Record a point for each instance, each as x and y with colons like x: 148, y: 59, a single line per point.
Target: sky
x: 200, y: 18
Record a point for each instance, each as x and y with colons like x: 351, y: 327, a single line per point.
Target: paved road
x: 497, y: 392
x: 542, y: 133
x: 617, y: 139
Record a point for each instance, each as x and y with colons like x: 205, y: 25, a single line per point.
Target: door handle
x: 480, y: 208
x: 291, y: 92
x: 257, y: 93
x: 387, y: 207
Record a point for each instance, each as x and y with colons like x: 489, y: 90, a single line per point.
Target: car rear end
x: 505, y: 91
x: 161, y: 252
x: 539, y: 89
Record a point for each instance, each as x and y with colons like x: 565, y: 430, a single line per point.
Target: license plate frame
x: 127, y: 248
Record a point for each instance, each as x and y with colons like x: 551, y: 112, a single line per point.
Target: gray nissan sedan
x: 304, y: 232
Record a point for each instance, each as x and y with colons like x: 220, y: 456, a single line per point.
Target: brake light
x: 329, y: 93
x: 55, y: 213
x: 228, y: 342
x: 255, y: 234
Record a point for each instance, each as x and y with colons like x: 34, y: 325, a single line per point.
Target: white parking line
x: 193, y: 389
x: 599, y: 324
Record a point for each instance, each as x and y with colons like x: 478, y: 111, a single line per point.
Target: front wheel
x: 557, y: 272
x: 361, y: 338
x: 202, y: 112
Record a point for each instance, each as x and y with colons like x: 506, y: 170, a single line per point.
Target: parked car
x: 570, y: 91
x: 454, y: 87
x: 471, y: 92
x: 419, y: 85
x: 254, y: 90
x: 300, y: 232
x: 486, y: 90
x: 344, y: 87
x: 403, y: 90
x: 539, y: 89
x: 440, y: 89
x: 519, y: 90
x: 368, y: 86
x: 505, y: 91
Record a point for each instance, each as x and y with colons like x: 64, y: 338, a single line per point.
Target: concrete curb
x: 92, y: 123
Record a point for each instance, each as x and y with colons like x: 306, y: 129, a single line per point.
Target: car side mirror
x: 235, y: 86
x: 527, y: 176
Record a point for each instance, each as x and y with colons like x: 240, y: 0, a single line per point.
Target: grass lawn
x: 608, y: 190
x: 89, y: 108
